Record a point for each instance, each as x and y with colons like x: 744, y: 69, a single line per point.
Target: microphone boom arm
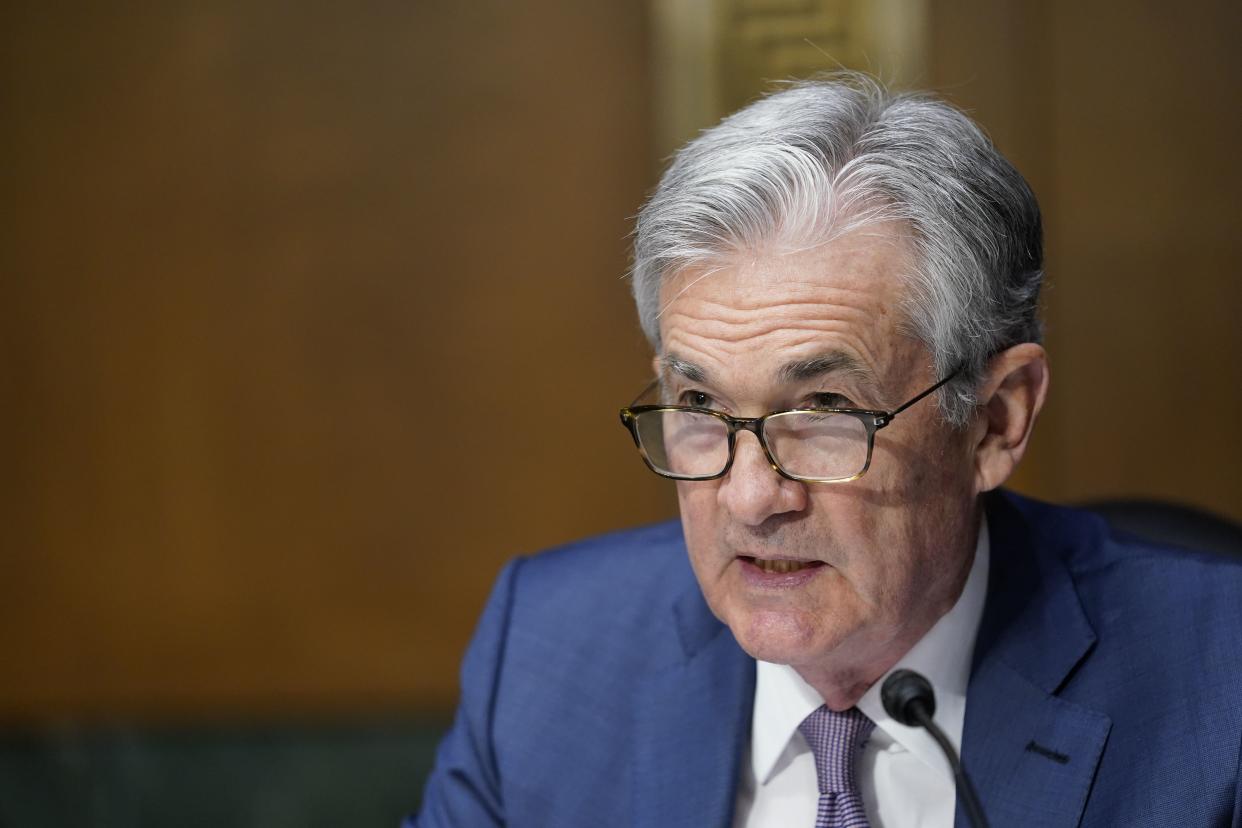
x: 908, y: 697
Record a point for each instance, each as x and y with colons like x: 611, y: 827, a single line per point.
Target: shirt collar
x: 783, y: 699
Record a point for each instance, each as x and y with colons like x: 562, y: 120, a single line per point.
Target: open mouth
x: 779, y: 566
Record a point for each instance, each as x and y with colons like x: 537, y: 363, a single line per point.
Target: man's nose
x: 753, y: 491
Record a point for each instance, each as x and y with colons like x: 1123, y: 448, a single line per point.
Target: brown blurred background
x: 313, y: 314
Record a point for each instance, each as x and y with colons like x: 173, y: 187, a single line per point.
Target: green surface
x: 269, y: 776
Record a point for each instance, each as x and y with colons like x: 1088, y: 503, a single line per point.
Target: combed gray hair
x: 808, y: 163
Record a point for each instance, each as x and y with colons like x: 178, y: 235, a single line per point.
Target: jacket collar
x: 691, y: 724
x: 1031, y: 755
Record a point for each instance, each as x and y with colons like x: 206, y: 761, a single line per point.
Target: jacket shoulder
x: 1173, y: 612
x: 1161, y: 666
x: 1094, y: 550
x: 621, y: 582
x: 625, y: 554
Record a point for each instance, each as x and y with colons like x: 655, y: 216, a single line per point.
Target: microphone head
x: 908, y: 697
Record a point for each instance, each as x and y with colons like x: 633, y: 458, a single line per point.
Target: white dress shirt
x: 904, y: 779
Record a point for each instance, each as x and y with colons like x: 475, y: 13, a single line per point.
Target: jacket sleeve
x: 1237, y: 797
x: 464, y: 786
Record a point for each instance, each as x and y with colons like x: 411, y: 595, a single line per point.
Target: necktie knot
x: 836, y: 739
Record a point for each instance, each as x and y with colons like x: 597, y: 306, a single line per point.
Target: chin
x: 779, y: 637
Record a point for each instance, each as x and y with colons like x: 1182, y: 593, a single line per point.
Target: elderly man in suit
x: 840, y: 285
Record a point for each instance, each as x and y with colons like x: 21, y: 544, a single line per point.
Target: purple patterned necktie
x: 836, y: 739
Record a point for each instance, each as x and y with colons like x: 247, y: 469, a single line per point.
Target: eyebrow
x: 801, y: 370
x: 830, y: 362
x: 673, y: 364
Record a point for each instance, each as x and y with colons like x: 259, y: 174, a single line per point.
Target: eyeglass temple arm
x: 890, y: 415
x: 911, y: 402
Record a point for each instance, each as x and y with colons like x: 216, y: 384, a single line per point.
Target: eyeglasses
x: 814, y: 445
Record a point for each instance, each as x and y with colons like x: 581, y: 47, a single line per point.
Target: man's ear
x: 1010, y: 398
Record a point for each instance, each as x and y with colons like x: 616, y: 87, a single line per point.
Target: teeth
x: 780, y: 567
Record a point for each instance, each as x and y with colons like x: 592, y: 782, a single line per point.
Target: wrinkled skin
x: 896, y: 545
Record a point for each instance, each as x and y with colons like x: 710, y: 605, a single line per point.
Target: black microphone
x: 908, y: 697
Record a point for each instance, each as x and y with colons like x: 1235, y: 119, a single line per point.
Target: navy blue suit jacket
x: 1106, y: 689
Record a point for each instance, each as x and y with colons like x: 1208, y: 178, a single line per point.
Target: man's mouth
x: 780, y: 566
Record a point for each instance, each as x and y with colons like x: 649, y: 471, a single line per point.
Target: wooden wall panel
x: 1123, y: 117
x: 1147, y: 251
x: 313, y: 316
x: 251, y: 252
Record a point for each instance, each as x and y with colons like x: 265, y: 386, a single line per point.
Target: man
x: 840, y: 285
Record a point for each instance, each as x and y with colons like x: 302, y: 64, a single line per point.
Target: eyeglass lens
x: 817, y: 445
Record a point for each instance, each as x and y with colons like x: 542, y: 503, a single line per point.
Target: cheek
x: 692, y: 504
x: 917, y: 528
x: 878, y: 527
x: 925, y: 463
x: 699, y: 515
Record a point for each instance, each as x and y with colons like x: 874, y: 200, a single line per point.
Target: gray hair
x: 806, y: 164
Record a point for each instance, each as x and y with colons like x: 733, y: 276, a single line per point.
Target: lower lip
x: 756, y: 576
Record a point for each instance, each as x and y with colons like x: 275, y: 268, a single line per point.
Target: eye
x: 697, y: 399
x: 829, y: 399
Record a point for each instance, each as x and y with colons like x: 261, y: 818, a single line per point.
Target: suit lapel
x: 691, y: 725
x: 1031, y: 755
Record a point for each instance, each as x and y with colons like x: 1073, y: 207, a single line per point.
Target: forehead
x: 757, y: 311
